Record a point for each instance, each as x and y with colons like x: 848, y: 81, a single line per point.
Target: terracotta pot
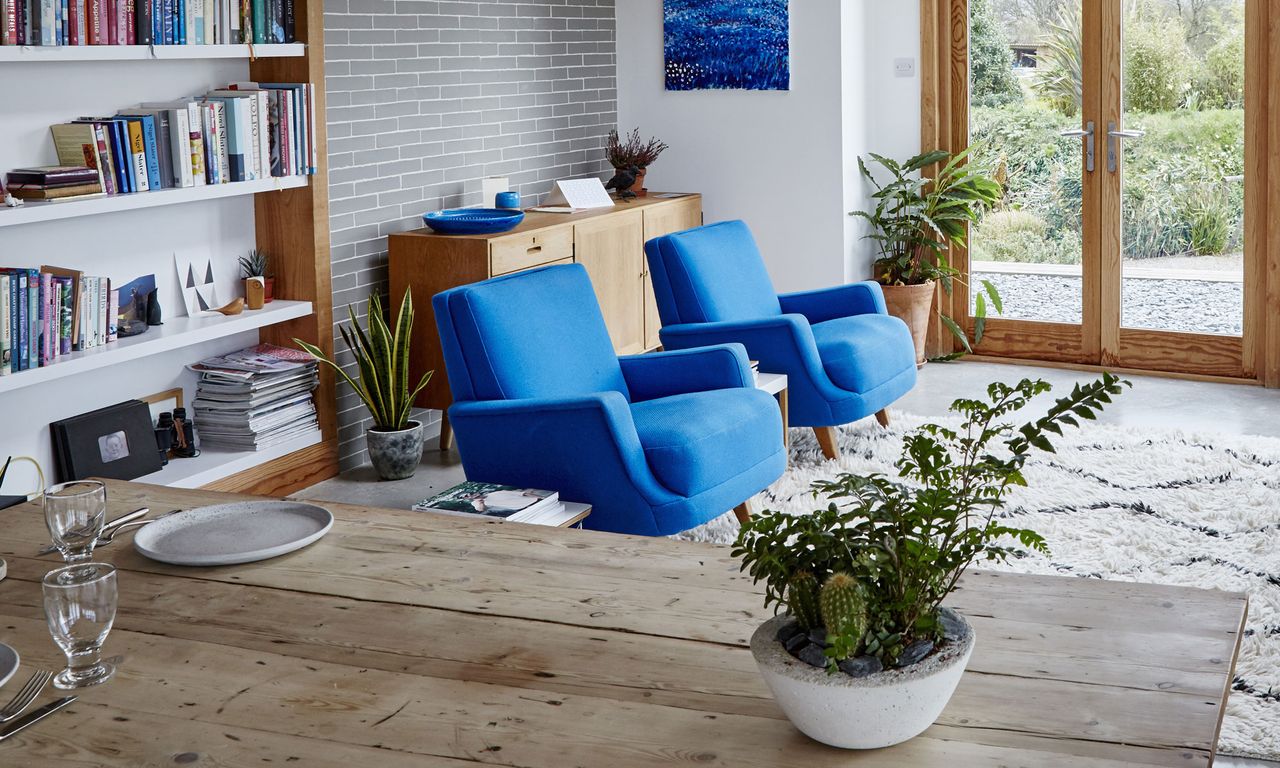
x: 913, y: 305
x: 268, y: 294
x: 638, y: 187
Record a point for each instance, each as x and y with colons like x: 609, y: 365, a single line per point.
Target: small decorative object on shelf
x: 633, y: 155
x: 257, y: 284
x: 508, y: 201
x: 395, y: 442
x: 916, y: 220
x: 473, y: 221
x: 182, y: 443
x: 866, y: 655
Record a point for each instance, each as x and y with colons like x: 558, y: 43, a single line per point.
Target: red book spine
x: 73, y: 24
x: 95, y: 22
x: 11, y: 23
x: 130, y: 26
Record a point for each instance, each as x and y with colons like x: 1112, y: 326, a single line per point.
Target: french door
x: 1131, y: 143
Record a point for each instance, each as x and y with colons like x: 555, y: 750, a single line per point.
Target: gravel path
x: 1168, y: 305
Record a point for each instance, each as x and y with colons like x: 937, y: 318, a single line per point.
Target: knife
x: 134, y: 515
x: 34, y: 717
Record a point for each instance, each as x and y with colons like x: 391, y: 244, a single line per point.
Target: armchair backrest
x: 527, y: 335
x: 710, y: 274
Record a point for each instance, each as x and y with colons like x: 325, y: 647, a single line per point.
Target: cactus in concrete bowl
x: 802, y: 600
x: 843, y: 604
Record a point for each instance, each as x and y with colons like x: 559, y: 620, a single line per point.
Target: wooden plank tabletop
x: 408, y: 639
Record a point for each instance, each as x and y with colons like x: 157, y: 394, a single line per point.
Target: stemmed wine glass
x: 80, y: 607
x: 75, y: 513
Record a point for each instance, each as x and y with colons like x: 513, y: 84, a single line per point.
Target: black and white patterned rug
x: 1127, y: 505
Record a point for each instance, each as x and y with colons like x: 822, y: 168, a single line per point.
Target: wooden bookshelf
x: 41, y: 54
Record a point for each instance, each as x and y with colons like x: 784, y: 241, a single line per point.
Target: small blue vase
x: 508, y: 201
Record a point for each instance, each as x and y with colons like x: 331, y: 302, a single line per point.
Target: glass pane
x: 1183, y: 182
x: 1024, y: 93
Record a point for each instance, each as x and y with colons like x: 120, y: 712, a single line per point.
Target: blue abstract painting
x: 739, y: 44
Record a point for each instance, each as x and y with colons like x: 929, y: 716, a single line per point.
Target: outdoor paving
x: 1193, y: 306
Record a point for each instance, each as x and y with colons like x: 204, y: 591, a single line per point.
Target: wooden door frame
x: 1255, y: 356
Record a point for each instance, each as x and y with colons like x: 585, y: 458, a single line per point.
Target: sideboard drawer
x: 512, y: 254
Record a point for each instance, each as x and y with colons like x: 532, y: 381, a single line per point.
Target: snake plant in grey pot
x: 382, y: 362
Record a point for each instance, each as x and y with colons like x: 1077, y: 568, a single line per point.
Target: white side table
x: 776, y: 385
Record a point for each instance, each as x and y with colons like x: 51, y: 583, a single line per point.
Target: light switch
x: 904, y: 67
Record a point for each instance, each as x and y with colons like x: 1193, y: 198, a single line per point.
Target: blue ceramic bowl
x: 473, y: 221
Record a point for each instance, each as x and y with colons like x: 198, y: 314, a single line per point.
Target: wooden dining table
x: 411, y: 639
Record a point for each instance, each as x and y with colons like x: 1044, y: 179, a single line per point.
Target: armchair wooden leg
x: 743, y: 511
x: 883, y: 418
x: 827, y: 441
x: 446, y: 433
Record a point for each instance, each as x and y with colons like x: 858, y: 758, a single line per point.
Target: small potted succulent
x: 866, y: 655
x: 382, y: 357
x: 633, y: 155
x: 255, y: 268
x: 916, y: 220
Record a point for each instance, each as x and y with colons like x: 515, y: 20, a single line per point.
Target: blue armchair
x: 656, y: 443
x: 845, y: 358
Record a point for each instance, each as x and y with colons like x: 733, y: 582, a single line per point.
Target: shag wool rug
x: 1143, y: 505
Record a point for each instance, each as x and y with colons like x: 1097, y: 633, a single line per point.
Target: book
x: 150, y: 148
x: 66, y: 310
x: 159, y: 151
x: 138, y: 151
x: 6, y: 328
x: 33, y: 192
x: 507, y: 502
x: 54, y: 175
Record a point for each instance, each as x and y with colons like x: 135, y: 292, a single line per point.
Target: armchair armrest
x: 864, y: 298
x: 563, y: 443
x: 782, y: 343
x: 698, y: 369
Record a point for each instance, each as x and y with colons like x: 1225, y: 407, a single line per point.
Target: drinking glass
x: 74, y: 513
x: 80, y: 606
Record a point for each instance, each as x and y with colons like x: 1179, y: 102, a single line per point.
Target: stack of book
x: 506, y: 502
x: 50, y: 312
x: 243, y: 132
x: 146, y: 22
x: 256, y: 398
x: 53, y: 182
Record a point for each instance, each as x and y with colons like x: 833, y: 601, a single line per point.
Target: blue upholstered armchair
x: 845, y: 358
x: 657, y: 443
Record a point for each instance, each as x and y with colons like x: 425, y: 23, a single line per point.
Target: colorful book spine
x: 145, y: 22
x: 138, y: 152
x: 6, y: 329
x: 113, y: 313
x: 66, y: 302
x: 33, y: 319
x: 21, y: 329
x: 47, y: 325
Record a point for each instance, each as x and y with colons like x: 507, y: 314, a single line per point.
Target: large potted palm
x: 382, y: 356
x: 916, y: 220
x: 863, y: 652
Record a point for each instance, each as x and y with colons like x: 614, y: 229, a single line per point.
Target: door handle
x: 1085, y: 133
x: 1113, y: 136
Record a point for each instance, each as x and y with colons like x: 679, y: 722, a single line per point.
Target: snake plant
x: 383, y: 359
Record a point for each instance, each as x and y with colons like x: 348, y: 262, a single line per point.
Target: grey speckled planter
x: 396, y: 455
x: 870, y: 712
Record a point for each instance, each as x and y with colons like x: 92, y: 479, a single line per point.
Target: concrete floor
x: 1152, y: 403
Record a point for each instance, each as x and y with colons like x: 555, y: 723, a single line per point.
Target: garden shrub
x: 992, y: 82
x: 1156, y: 65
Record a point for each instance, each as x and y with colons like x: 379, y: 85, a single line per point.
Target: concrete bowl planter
x: 871, y: 712
x: 395, y: 454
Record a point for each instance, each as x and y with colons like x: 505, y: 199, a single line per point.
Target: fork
x: 25, y: 696
x: 108, y: 536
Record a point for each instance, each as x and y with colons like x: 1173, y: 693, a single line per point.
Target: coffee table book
x: 505, y: 502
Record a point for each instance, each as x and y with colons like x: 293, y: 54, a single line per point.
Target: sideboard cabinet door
x: 612, y: 250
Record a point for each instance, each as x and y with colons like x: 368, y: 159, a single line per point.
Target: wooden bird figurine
x: 622, y: 182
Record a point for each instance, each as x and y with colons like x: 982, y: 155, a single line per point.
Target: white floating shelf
x: 214, y: 464
x: 175, y: 333
x: 36, y: 211
x: 50, y: 53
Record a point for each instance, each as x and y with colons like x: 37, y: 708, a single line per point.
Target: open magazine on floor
x: 507, y: 502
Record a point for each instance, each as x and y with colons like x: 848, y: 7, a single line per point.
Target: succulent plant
x: 844, y: 613
x: 255, y: 264
x: 802, y: 600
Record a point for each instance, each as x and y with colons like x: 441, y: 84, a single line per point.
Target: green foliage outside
x: 992, y: 82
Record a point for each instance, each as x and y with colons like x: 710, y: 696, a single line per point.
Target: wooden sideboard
x: 608, y: 242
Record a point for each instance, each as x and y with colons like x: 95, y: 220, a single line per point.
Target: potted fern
x: 915, y: 221
x: 866, y: 655
x: 382, y: 356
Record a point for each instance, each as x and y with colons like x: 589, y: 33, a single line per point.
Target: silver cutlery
x: 121, y: 520
x: 35, y: 717
x: 25, y: 696
x: 109, y: 536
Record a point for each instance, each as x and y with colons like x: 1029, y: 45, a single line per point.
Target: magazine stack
x: 256, y: 398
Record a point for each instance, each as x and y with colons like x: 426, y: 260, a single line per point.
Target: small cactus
x: 844, y: 613
x: 255, y: 264
x: 802, y: 600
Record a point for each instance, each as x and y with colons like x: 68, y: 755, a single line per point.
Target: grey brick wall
x: 427, y: 97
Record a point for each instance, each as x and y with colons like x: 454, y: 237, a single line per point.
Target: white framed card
x: 579, y: 194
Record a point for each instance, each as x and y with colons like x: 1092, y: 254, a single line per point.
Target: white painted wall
x: 120, y: 246
x: 786, y: 162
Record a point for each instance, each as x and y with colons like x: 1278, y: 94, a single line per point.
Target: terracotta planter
x: 913, y: 305
x: 268, y: 294
x: 638, y: 187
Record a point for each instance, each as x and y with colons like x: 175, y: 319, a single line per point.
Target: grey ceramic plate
x: 8, y: 663
x: 227, y: 534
